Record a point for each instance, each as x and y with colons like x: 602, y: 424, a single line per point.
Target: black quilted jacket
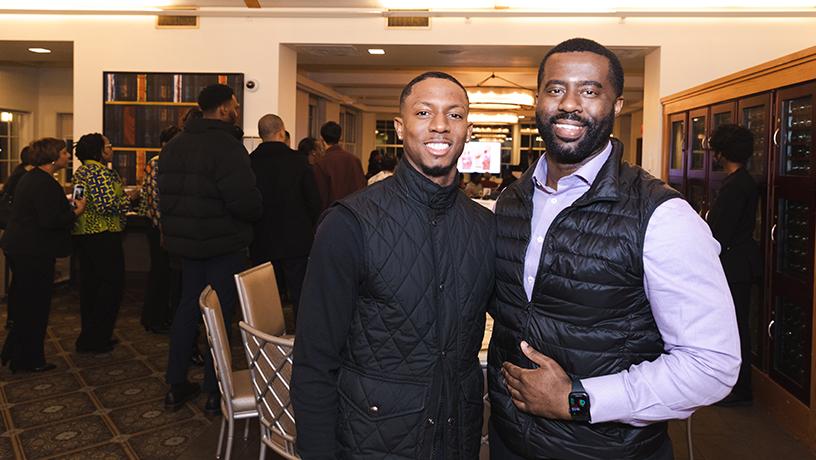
x: 409, y: 383
x: 589, y: 309
x: 207, y: 191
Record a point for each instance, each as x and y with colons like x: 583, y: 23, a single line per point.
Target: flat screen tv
x: 480, y: 157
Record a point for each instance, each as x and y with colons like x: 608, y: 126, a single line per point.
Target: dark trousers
x: 101, y: 283
x: 741, y: 293
x: 163, y: 291
x: 500, y: 450
x: 293, y: 272
x: 29, y: 301
x: 196, y: 274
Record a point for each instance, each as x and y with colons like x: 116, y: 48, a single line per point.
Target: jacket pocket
x: 471, y: 413
x: 380, y: 415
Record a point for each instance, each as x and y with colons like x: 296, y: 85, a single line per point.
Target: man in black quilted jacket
x: 208, y: 201
x: 393, y: 305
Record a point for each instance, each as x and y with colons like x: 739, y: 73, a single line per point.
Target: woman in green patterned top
x: 98, y: 236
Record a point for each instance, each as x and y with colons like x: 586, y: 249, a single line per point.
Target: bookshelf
x: 139, y: 105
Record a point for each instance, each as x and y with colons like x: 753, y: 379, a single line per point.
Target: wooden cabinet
x: 777, y: 102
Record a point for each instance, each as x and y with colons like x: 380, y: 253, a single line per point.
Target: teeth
x: 568, y: 127
x: 437, y: 145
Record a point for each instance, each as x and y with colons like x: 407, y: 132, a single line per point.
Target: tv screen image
x: 480, y: 157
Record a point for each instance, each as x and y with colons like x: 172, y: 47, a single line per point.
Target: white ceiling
x: 376, y: 80
x: 15, y: 53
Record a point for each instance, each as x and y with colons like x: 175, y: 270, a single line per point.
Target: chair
x: 270, y: 365
x: 260, y: 299
x: 237, y: 401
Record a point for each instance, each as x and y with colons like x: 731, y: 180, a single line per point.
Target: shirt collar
x: 587, y: 173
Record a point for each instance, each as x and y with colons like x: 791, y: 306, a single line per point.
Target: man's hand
x: 542, y: 392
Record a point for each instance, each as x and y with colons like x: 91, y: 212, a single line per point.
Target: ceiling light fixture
x: 376, y: 51
x: 6, y: 117
x: 487, y: 118
x: 40, y: 50
x: 489, y: 97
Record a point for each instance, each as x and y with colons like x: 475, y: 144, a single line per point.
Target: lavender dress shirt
x: 690, y: 301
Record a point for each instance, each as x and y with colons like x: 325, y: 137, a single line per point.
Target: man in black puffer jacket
x: 612, y: 313
x: 393, y: 306
x: 208, y: 201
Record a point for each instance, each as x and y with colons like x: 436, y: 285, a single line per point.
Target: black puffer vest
x: 410, y: 384
x: 589, y: 310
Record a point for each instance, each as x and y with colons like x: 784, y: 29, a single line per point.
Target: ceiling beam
x: 252, y: 3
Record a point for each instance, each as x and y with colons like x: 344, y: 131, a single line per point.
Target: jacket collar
x: 605, y: 187
x: 200, y: 125
x: 422, y: 189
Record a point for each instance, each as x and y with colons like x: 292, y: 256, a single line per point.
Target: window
x: 11, y: 127
x: 349, y: 121
x: 386, y: 138
x: 314, y: 117
x: 532, y: 145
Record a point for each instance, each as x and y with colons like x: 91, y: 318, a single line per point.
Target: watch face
x: 579, y: 405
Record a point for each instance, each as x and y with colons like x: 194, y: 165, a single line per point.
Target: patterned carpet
x: 107, y: 406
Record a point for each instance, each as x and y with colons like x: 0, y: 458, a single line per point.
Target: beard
x: 437, y: 171
x: 594, y: 139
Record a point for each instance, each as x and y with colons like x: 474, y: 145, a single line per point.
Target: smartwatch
x: 579, y: 402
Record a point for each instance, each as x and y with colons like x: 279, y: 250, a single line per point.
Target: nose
x: 440, y: 123
x: 569, y: 102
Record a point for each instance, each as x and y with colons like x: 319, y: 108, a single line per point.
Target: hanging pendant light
x: 491, y: 97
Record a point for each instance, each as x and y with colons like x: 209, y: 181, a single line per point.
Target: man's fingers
x: 522, y: 406
x: 512, y: 369
x: 534, y: 355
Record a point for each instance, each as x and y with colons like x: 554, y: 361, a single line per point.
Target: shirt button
x: 431, y: 421
x: 530, y: 279
x: 373, y: 410
x: 444, y: 354
x: 450, y: 420
x: 540, y: 239
x: 433, y: 222
x: 553, y: 200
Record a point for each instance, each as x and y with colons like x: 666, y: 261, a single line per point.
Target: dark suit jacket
x: 338, y: 174
x: 290, y: 201
x: 41, y: 218
x: 732, y: 220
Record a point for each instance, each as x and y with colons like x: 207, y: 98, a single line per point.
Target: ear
x: 618, y: 105
x: 398, y: 125
x: 469, y: 132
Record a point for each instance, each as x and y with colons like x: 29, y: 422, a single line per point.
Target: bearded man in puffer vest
x: 612, y: 311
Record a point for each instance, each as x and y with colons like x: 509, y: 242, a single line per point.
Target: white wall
x: 42, y: 93
x: 691, y: 51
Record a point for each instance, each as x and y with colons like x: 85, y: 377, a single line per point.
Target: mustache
x: 569, y: 116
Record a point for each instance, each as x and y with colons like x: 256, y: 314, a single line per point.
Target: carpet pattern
x: 105, y: 406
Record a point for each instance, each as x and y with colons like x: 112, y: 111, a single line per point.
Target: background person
x: 291, y: 205
x: 339, y: 173
x: 163, y: 283
x: 732, y: 219
x: 388, y: 163
x: 312, y: 149
x: 39, y: 231
x: 98, y: 237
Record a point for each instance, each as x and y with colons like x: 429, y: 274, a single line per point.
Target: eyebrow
x: 594, y: 83
x: 429, y: 104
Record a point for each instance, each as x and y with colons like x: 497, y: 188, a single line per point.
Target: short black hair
x: 214, y: 96
x: 733, y: 142
x: 25, y: 156
x: 90, y: 147
x: 306, y: 145
x: 45, y: 150
x: 406, y: 91
x: 331, y: 132
x: 168, y: 133
x: 577, y: 45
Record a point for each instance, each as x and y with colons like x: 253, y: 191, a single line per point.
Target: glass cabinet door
x: 697, y: 163
x: 697, y: 137
x: 677, y: 151
x: 796, y: 137
x: 754, y: 113
x: 792, y: 236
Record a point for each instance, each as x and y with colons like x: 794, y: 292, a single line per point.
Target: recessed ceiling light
x: 40, y: 50
x: 376, y: 51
